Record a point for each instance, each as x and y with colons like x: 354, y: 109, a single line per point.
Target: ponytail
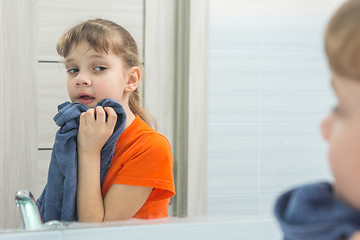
x: 136, y: 108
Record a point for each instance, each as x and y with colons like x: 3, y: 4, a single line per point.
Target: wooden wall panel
x: 56, y: 16
x: 159, y: 56
x: 18, y: 106
x: 51, y: 92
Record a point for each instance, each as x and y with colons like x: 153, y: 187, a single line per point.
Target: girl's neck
x: 130, y: 117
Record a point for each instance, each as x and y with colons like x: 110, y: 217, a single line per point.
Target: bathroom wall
x: 18, y: 118
x: 269, y: 88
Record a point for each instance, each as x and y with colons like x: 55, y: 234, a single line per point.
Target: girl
x: 102, y: 61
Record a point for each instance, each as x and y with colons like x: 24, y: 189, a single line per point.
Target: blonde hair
x: 342, y: 40
x: 103, y: 36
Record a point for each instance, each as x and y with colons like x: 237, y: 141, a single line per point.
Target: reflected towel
x: 313, y: 212
x: 58, y: 199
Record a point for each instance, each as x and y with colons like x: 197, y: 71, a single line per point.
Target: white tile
x: 269, y: 88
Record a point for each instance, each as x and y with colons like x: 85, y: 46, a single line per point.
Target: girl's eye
x: 99, y: 68
x: 72, y: 70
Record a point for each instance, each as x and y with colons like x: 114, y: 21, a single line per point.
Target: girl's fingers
x: 112, y: 117
x: 100, y: 114
x: 90, y: 116
x: 83, y: 119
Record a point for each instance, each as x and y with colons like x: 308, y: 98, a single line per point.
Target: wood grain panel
x: 190, y: 125
x: 198, y: 107
x: 43, y: 162
x: 51, y: 92
x: 158, y: 80
x: 56, y: 16
x: 18, y: 106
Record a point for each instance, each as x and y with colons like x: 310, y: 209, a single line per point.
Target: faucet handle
x: 28, y: 209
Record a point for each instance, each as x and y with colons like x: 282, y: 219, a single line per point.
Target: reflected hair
x: 342, y: 40
x: 103, y: 36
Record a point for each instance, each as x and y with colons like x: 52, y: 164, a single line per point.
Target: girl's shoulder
x: 140, y: 129
x: 140, y: 135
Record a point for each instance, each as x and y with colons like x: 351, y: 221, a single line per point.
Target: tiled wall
x: 269, y: 87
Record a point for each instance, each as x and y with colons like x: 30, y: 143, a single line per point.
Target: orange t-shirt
x: 143, y: 157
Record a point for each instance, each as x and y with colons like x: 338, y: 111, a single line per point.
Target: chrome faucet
x: 28, y: 209
x: 31, y: 215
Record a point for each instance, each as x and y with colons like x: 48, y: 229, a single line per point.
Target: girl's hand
x: 94, y: 130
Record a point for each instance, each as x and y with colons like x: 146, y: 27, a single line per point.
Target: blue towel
x: 58, y: 199
x: 313, y: 212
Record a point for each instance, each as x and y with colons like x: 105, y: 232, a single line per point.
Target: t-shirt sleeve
x: 150, y: 164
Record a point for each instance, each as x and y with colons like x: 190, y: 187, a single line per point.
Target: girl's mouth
x: 86, y: 99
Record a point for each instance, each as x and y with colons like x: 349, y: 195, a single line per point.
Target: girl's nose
x: 82, y: 79
x: 326, y: 126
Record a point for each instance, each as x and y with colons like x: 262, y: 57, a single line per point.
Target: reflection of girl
x: 325, y: 210
x: 102, y: 61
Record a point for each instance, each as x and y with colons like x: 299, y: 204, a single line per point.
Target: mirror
x: 42, y: 24
x: 262, y: 125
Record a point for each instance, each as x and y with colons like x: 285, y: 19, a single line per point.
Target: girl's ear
x: 133, y: 80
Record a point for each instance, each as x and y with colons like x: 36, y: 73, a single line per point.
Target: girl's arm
x: 121, y: 201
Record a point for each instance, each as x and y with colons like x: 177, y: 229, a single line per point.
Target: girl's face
x: 341, y: 129
x: 93, y: 76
